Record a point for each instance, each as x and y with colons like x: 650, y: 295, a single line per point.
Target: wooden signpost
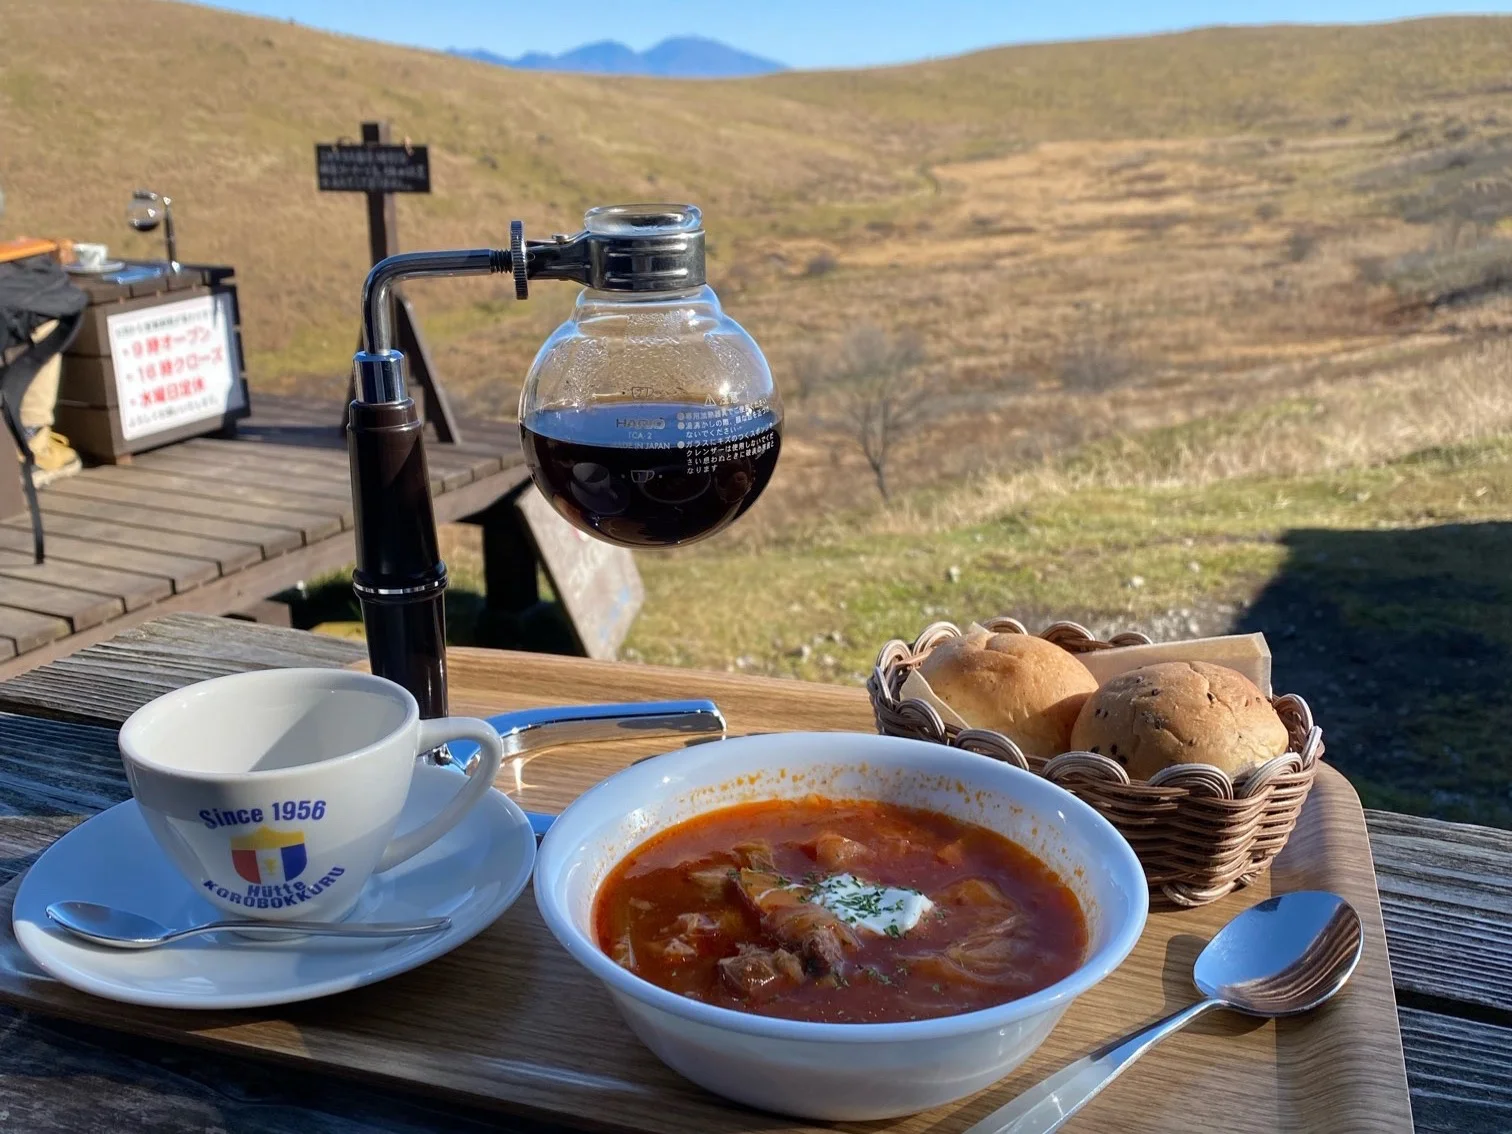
x: 380, y: 168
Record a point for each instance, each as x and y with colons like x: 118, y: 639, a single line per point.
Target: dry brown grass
x: 1330, y: 424
x: 1090, y: 240
x: 1100, y: 146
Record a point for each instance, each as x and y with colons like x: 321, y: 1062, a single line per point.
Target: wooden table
x: 1446, y: 892
x: 212, y: 525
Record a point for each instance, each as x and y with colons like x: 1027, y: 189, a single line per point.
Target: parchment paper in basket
x: 1247, y: 653
x: 915, y: 687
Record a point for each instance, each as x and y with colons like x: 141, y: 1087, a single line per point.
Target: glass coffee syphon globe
x: 649, y: 418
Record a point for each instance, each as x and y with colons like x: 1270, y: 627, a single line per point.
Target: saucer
x: 472, y: 875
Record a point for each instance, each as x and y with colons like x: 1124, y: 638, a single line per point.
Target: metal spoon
x: 1285, y: 956
x: 122, y: 929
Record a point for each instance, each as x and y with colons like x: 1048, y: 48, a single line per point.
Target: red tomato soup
x: 839, y: 912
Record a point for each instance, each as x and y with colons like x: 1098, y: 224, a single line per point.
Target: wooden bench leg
x: 514, y: 614
x: 509, y: 558
x: 269, y: 612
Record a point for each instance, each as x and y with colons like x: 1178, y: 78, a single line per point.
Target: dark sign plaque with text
x: 373, y: 168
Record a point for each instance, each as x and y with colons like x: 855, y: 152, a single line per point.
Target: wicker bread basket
x: 1198, y: 833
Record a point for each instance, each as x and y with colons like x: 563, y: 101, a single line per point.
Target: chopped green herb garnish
x: 893, y: 930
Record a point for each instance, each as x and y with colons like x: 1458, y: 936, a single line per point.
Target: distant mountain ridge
x: 682, y: 57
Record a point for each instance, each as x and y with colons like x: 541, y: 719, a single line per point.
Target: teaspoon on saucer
x: 122, y: 929
x: 1282, y: 957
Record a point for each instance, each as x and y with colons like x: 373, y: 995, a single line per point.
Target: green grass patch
x: 1382, y: 590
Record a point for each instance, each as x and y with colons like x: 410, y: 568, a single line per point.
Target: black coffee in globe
x: 652, y: 474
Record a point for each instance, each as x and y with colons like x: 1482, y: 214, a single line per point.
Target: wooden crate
x: 88, y: 410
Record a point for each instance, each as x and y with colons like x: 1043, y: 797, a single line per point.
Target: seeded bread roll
x: 1180, y: 713
x: 1016, y: 684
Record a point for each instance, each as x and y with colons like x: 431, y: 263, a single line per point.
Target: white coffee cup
x: 91, y: 255
x: 276, y: 793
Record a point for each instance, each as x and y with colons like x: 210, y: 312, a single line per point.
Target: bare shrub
x: 809, y: 372
x: 1094, y: 363
x: 878, y: 390
x: 821, y: 265
x: 1300, y: 245
x: 1137, y: 160
x: 1451, y: 273
x: 1370, y: 270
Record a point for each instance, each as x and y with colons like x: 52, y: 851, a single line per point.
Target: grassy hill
x: 97, y: 96
x: 1213, y: 325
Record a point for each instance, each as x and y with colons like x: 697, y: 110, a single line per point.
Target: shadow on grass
x: 1401, y: 641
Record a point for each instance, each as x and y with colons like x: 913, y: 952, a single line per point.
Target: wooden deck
x: 210, y: 525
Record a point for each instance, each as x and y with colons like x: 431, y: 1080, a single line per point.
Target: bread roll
x: 1180, y: 713
x: 1017, y: 684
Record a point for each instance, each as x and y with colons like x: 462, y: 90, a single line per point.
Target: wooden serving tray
x: 510, y: 1021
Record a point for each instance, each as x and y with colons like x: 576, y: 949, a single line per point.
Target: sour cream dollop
x: 879, y: 909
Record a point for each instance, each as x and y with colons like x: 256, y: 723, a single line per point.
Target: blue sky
x: 807, y: 33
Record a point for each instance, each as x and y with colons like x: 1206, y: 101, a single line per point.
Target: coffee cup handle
x: 433, y: 734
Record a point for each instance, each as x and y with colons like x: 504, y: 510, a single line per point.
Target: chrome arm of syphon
x: 529, y: 731
x: 380, y: 368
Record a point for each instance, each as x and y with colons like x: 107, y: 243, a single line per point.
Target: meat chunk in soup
x: 993, y: 952
x: 835, y: 853
x: 695, y: 925
x: 712, y: 883
x: 755, y: 973
x: 816, y: 934
x: 674, y: 950
x: 996, y: 955
x: 756, y: 855
x: 622, y: 952
x: 974, y: 892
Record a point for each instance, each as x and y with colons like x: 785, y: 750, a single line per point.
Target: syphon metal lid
x: 628, y: 248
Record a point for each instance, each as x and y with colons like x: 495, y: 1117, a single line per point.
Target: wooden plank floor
x: 210, y: 525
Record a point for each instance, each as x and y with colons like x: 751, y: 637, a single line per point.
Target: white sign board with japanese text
x: 175, y: 363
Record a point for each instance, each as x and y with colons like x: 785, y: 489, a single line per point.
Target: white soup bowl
x: 839, y: 1071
